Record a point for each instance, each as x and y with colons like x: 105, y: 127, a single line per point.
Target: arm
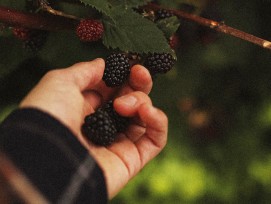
x: 70, y: 94
x: 56, y: 166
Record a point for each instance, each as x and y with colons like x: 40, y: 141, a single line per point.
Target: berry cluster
x: 102, y: 126
x: 87, y: 30
x: 33, y: 40
x: 118, y: 66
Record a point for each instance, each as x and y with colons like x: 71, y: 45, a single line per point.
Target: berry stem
x: 14, y: 17
x: 45, y: 6
x: 218, y: 26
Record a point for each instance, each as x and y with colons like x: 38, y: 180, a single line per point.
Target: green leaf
x: 170, y: 4
x: 101, y: 5
x: 129, y: 3
x: 15, y: 4
x: 169, y: 25
x: 131, y: 32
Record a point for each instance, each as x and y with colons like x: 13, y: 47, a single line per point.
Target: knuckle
x: 142, y: 96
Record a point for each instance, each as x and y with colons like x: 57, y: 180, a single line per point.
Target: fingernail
x: 98, y: 60
x: 128, y: 100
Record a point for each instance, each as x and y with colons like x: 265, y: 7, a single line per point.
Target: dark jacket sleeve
x: 51, y: 158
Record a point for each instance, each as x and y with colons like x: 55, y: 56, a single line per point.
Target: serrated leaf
x: 130, y: 3
x: 101, y: 5
x: 131, y: 32
x: 169, y: 25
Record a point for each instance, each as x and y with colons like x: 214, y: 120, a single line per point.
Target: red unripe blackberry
x: 89, y: 30
x: 159, y: 63
x: 174, y: 41
x: 21, y: 33
x: 117, y: 69
x: 100, y: 128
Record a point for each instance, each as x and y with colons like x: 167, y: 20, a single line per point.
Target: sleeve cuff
x: 51, y: 157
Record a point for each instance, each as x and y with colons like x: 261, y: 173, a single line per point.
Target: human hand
x: 71, y: 94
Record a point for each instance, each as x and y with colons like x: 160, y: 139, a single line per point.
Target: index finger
x: 86, y: 74
x: 139, y: 80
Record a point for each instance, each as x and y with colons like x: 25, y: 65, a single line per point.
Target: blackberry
x: 162, y: 14
x: 159, y: 63
x: 36, y: 41
x: 100, y: 128
x: 117, y: 69
x: 89, y: 30
x: 121, y: 122
x: 21, y: 33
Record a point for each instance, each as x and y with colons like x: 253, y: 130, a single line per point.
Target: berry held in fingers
x: 121, y: 122
x: 102, y: 126
x: 117, y: 69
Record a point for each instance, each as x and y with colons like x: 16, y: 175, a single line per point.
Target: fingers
x: 156, y: 123
x: 155, y: 137
x: 127, y: 105
x: 92, y: 100
x: 86, y: 74
x: 140, y: 80
x: 141, y: 144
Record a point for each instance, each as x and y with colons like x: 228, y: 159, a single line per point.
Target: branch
x: 14, y: 17
x: 218, y: 26
x: 45, y: 6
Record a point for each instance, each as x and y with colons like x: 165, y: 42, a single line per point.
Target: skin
x: 72, y: 93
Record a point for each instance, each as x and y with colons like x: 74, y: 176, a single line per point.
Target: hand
x: 72, y: 93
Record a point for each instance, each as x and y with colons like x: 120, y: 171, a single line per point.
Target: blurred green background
x: 217, y: 99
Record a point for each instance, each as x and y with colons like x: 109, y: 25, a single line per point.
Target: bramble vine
x: 54, y: 20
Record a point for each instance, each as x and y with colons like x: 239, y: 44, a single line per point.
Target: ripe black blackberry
x: 121, y: 122
x: 35, y: 41
x: 162, y: 14
x: 159, y: 63
x: 100, y: 128
x: 117, y: 69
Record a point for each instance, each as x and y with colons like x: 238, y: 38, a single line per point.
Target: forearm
x: 51, y: 158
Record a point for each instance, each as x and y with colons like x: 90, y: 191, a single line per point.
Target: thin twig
x: 45, y: 7
x: 14, y: 17
x: 218, y: 26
